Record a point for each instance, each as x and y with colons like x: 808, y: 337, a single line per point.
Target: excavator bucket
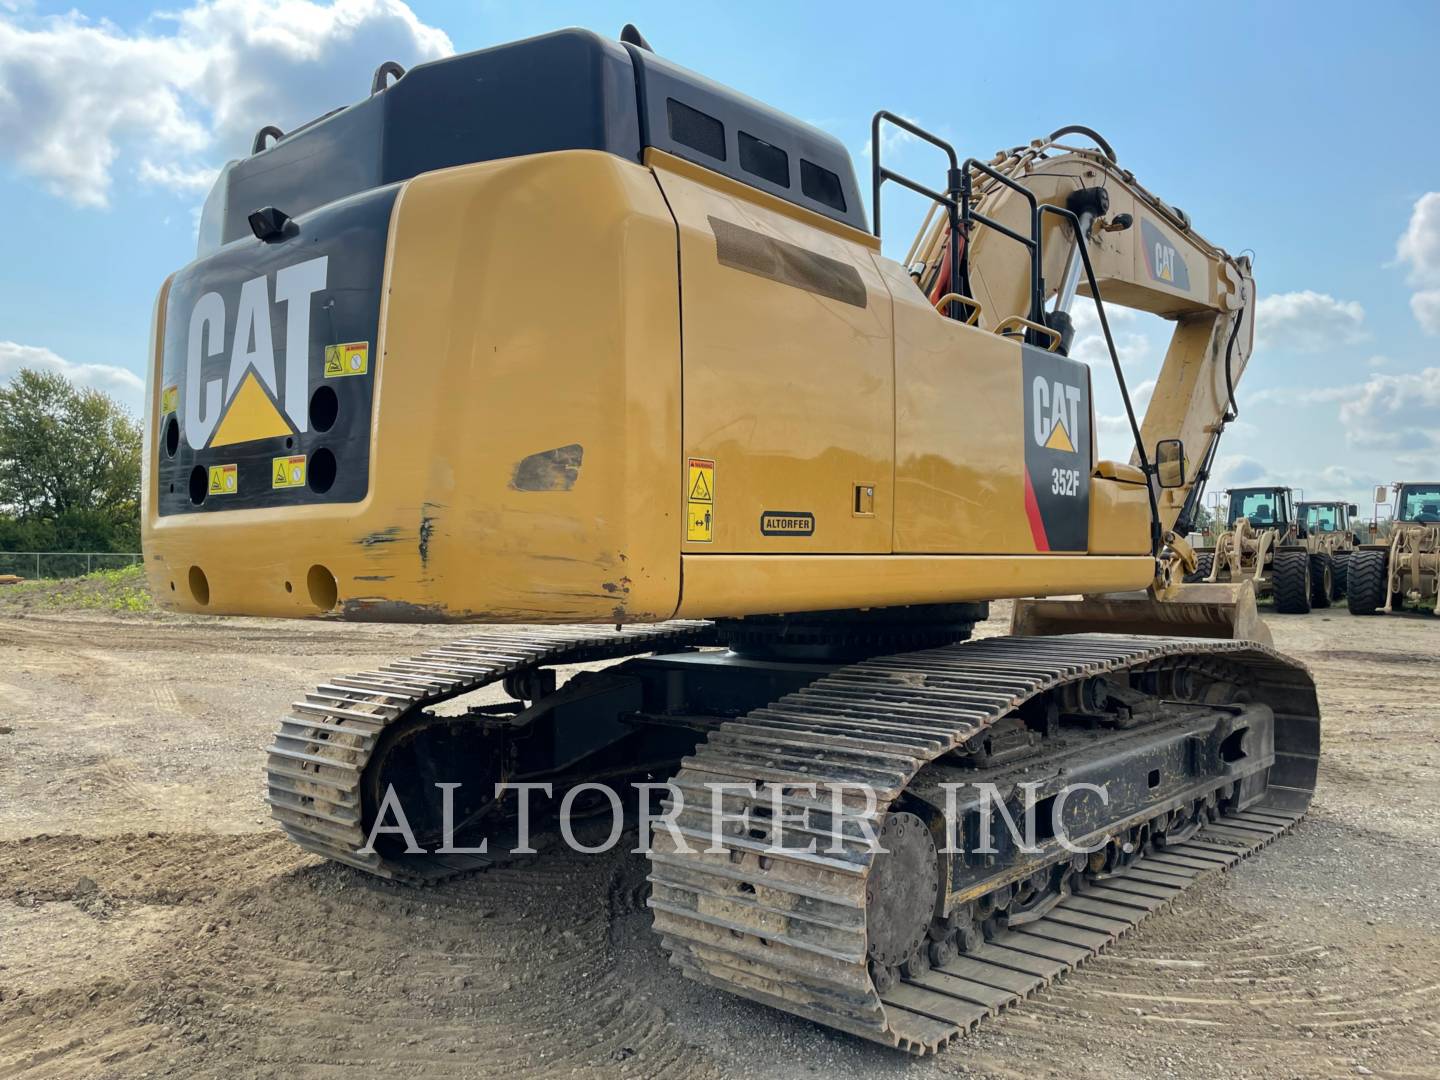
x: 1208, y: 610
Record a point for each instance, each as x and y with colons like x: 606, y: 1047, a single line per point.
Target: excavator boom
x: 1140, y: 253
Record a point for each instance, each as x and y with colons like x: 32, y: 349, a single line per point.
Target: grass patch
x: 118, y: 591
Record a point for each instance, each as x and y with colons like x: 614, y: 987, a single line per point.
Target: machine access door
x: 788, y: 374
x: 993, y: 443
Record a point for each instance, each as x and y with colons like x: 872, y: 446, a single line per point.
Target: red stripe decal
x: 1032, y: 512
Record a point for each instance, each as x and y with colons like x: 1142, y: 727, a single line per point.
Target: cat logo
x: 1164, y: 263
x: 250, y: 402
x: 1056, y: 413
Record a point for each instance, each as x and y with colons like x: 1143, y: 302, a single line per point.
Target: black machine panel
x: 569, y: 90
x: 270, y: 363
x: 1058, y: 451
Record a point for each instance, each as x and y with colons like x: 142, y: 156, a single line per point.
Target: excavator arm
x: 1145, y: 255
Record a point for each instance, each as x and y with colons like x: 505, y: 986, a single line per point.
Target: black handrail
x: 951, y: 201
x: 1156, y: 533
x: 1032, y: 242
x: 957, y: 203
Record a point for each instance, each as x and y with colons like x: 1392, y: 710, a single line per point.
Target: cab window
x: 1421, y: 503
x: 1263, y: 508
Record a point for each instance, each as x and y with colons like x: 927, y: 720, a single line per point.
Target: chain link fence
x: 64, y: 564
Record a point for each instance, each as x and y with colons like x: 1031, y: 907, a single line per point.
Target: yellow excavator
x: 562, y: 338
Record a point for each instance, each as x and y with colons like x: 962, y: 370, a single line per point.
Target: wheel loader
x: 564, y: 339
x: 1266, y: 541
x: 1405, y: 569
x: 1332, y: 528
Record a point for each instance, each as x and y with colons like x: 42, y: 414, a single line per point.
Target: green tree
x: 69, y: 467
x: 1204, y: 519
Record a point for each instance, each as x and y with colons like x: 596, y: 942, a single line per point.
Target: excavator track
x: 798, y: 930
x: 317, y: 764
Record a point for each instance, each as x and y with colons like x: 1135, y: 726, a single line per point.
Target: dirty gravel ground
x: 154, y: 923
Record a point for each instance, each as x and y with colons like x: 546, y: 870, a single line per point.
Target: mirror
x: 1354, y: 509
x: 1170, y: 463
x: 1382, y: 494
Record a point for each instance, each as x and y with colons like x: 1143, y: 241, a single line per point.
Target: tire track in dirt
x: 1210, y: 975
x: 276, y: 965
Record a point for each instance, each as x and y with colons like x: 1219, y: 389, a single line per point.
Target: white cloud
x: 1420, y: 244
x: 1419, y: 248
x: 1284, y: 395
x: 1237, y: 470
x: 1134, y: 348
x: 1325, y: 482
x: 77, y: 94
x: 124, y: 386
x: 1308, y: 321
x: 1425, y: 306
x: 892, y: 138
x: 177, y: 177
x: 1394, y: 411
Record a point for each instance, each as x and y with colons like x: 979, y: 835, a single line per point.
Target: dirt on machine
x: 636, y: 383
x: 1405, y: 570
x: 1296, y: 553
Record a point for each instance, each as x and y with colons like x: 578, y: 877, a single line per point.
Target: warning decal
x: 700, y: 501
x: 287, y: 472
x: 170, y: 400
x: 351, y: 358
x: 224, y: 480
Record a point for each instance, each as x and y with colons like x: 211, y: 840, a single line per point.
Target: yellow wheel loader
x: 1385, y: 577
x: 1332, y: 528
x: 564, y: 339
x: 1267, y: 543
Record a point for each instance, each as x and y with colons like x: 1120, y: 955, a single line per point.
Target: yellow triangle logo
x: 1060, y: 439
x: 252, y: 415
x: 701, y: 491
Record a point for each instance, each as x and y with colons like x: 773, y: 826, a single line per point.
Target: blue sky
x: 1296, y: 130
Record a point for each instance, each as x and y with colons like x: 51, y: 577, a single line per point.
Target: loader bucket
x: 1207, y: 610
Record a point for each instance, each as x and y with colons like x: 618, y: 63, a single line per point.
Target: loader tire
x: 1342, y: 573
x: 1203, y: 562
x: 1367, y: 577
x: 1290, y: 571
x: 1322, y: 579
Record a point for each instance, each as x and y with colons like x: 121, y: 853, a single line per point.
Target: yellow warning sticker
x: 224, y: 480
x: 702, y: 480
x: 351, y: 358
x: 169, y: 400
x: 287, y: 472
x: 700, y: 522
x: 700, y: 501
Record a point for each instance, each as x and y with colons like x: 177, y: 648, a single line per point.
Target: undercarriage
x: 895, y: 845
